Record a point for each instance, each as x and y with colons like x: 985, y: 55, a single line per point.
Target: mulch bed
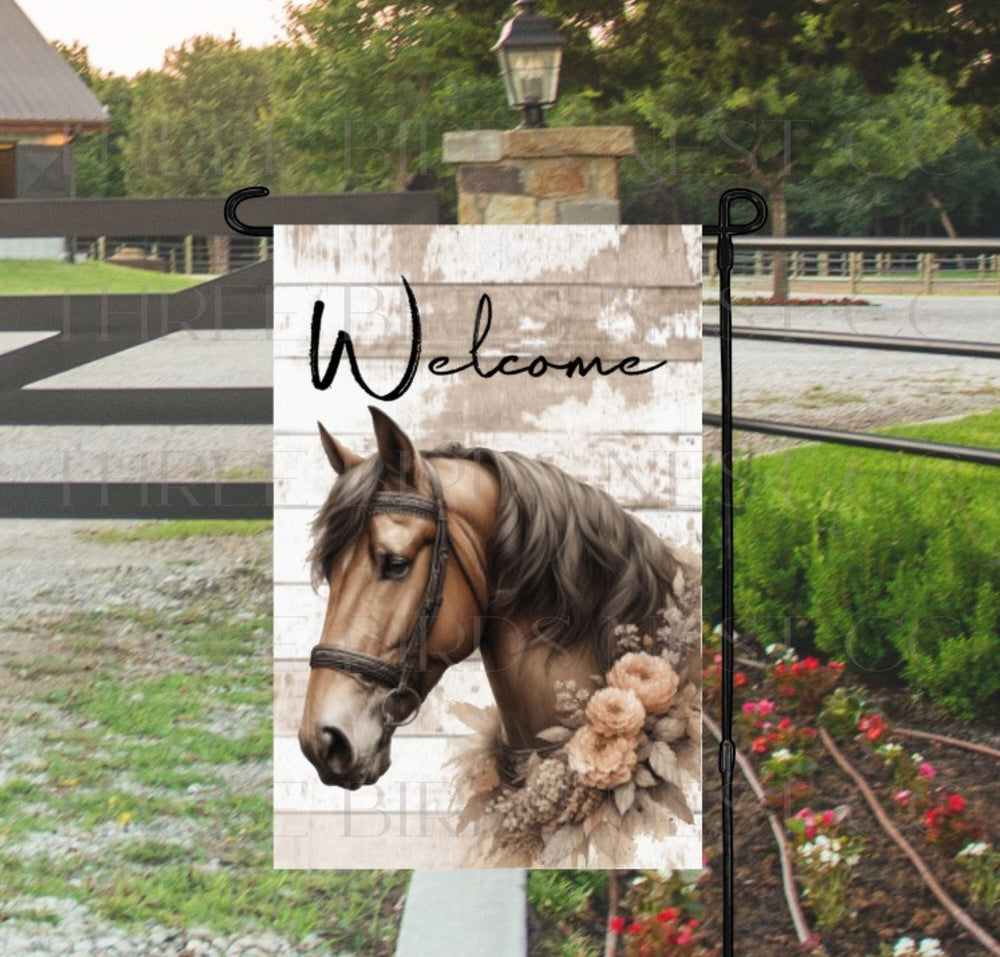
x: 890, y: 898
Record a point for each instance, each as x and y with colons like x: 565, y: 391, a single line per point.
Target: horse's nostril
x: 339, y: 753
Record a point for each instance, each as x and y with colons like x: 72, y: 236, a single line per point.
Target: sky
x: 124, y: 37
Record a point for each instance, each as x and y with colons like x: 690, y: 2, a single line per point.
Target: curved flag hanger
x: 724, y: 230
x: 232, y: 204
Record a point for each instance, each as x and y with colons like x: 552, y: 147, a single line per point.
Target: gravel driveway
x: 860, y: 389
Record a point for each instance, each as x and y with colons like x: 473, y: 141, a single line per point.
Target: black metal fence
x: 84, y: 328
x: 748, y: 256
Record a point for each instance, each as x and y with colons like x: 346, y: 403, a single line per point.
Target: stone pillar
x: 561, y: 175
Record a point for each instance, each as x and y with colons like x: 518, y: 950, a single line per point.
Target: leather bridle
x: 399, y: 678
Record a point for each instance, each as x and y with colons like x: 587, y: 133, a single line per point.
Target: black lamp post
x: 530, y: 55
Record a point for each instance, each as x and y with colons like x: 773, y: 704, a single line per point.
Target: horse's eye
x: 394, y: 567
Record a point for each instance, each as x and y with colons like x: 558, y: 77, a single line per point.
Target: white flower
x: 905, y: 945
x: 771, y: 649
x: 930, y: 947
x: 977, y: 849
x: 916, y: 758
x: 782, y: 754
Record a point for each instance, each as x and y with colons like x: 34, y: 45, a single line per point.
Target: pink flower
x: 749, y: 707
x: 926, y: 770
x: 902, y: 798
x: 764, y: 706
x: 827, y: 818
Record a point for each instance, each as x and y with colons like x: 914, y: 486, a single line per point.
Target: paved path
x: 465, y: 914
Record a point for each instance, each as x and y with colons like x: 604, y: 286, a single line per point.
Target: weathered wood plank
x: 629, y: 256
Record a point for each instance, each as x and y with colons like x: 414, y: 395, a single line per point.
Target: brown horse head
x: 377, y: 544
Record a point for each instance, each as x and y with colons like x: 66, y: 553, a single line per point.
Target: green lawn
x: 37, y: 277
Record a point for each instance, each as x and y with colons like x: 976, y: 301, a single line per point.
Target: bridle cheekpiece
x: 398, y: 678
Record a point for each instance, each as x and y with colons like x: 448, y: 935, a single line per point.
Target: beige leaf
x: 643, y: 778
x: 555, y: 735
x: 473, y: 811
x: 674, y: 800
x: 566, y: 844
x: 479, y: 719
x: 632, y: 822
x: 624, y: 797
x: 669, y: 728
x: 663, y: 761
x: 607, y: 840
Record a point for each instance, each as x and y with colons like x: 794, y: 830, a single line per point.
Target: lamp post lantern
x: 530, y: 54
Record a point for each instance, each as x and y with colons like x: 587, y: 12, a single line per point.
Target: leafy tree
x: 97, y: 157
x: 958, y: 42
x: 371, y: 88
x: 197, y: 126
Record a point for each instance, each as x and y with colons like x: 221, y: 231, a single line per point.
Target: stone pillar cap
x: 491, y: 146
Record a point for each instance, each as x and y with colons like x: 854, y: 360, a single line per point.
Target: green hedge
x: 888, y: 561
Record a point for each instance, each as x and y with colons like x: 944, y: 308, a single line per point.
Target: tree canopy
x: 849, y: 117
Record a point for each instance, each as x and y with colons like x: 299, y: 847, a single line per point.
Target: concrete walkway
x: 466, y: 912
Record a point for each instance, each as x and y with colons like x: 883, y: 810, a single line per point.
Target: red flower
x: 739, y: 679
x: 667, y: 915
x: 796, y: 668
x: 809, y: 732
x: 784, y: 724
x: 836, y: 666
x: 616, y: 925
x: 931, y: 817
x: 872, y: 726
x: 635, y: 928
x: 759, y: 745
x: 956, y: 803
x: 780, y: 669
x: 693, y: 924
x: 685, y: 936
x: 811, y: 664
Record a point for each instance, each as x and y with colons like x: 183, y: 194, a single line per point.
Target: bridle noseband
x: 399, y: 678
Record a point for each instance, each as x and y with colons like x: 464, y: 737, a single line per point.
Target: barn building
x: 43, y: 106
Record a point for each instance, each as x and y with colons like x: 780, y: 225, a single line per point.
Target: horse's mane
x: 560, y: 550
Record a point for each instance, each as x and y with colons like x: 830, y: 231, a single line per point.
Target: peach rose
x: 650, y: 677
x: 601, y: 762
x: 616, y: 712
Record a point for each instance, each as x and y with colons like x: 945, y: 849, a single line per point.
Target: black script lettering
x: 344, y: 343
x: 538, y: 366
x: 505, y: 365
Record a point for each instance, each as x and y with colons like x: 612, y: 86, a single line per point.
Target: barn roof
x: 38, y: 88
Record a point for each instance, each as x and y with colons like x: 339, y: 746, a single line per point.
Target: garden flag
x: 487, y: 546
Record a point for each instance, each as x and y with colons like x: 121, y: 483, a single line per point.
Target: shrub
x: 887, y: 562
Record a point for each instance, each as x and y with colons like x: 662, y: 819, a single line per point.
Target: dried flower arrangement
x: 616, y: 765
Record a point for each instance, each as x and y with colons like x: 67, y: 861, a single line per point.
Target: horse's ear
x: 399, y: 457
x: 337, y: 455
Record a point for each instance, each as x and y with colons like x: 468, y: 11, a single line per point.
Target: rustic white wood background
x: 558, y: 291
